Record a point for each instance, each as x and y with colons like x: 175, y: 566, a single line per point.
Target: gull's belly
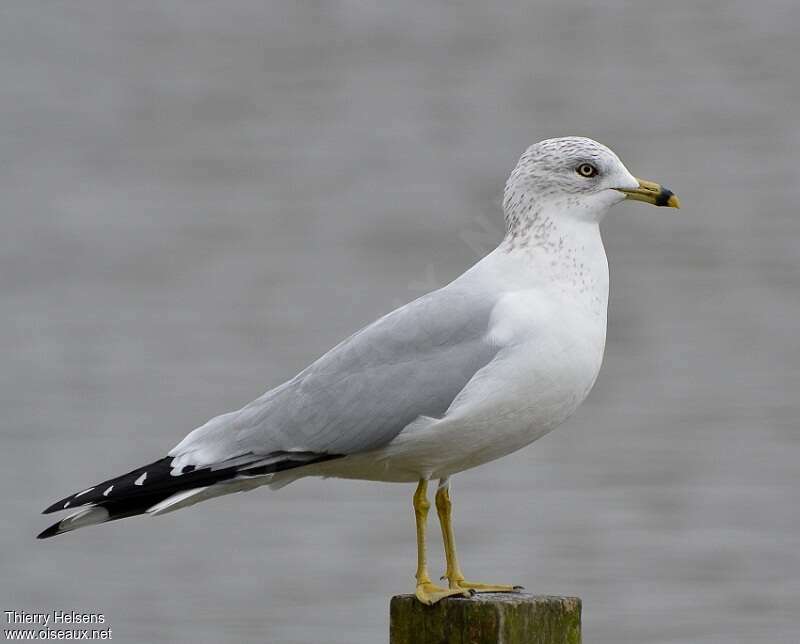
x: 544, y: 388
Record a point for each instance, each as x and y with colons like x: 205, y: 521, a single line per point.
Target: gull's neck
x: 559, y: 250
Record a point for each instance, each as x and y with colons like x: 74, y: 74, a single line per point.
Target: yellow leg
x: 427, y: 592
x: 455, y: 578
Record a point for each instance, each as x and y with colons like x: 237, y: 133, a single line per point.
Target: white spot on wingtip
x: 141, y: 479
x: 66, y: 505
x: 84, y: 492
x: 108, y: 490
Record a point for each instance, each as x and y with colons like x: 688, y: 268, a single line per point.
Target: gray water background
x: 199, y: 198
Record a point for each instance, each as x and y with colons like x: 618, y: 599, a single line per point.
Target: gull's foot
x: 429, y: 593
x: 485, y: 588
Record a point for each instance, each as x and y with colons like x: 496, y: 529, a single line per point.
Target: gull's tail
x: 157, y: 488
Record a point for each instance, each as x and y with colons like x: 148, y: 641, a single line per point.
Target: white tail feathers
x: 175, y: 502
x: 83, y: 518
x: 186, y: 498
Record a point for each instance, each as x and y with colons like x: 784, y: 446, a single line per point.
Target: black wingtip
x: 133, y: 493
x: 52, y: 531
x: 58, y: 506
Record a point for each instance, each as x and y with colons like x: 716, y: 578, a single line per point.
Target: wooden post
x: 486, y: 618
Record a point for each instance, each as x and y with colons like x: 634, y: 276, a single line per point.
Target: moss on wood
x: 490, y: 618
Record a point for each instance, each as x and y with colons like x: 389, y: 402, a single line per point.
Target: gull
x: 459, y: 377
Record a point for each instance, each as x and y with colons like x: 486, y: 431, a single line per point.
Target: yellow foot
x: 485, y: 588
x: 429, y: 593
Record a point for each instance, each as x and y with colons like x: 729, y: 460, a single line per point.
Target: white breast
x: 537, y: 381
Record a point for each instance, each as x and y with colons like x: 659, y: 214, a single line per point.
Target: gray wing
x: 363, y: 392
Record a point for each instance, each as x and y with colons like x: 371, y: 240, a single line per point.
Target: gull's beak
x: 651, y: 192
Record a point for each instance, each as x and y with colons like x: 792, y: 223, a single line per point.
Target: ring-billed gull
x: 459, y: 377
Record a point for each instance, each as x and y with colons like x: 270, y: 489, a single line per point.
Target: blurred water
x: 200, y: 198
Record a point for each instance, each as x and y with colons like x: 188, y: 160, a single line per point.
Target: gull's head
x: 576, y: 177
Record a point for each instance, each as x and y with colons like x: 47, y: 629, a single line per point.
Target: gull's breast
x: 549, y: 363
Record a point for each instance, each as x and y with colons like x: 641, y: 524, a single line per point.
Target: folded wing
x: 362, y: 393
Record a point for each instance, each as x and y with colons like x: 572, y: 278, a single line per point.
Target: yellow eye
x: 586, y: 170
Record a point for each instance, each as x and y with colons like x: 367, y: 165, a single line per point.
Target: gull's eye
x: 586, y: 170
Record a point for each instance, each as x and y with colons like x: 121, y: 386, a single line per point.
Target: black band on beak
x: 663, y: 197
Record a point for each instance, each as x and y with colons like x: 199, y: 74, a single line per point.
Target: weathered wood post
x: 486, y: 618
